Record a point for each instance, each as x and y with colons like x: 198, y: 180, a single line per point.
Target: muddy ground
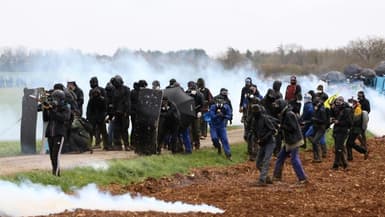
x: 357, y: 191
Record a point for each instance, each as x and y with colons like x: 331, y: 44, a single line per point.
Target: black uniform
x: 121, y: 105
x: 96, y: 113
x: 195, y: 125
x: 271, y: 96
x: 57, y: 116
x: 207, y: 100
x: 169, y: 121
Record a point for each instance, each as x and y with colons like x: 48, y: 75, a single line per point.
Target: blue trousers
x: 219, y: 133
x: 187, y: 141
x: 310, y: 132
x: 295, y: 162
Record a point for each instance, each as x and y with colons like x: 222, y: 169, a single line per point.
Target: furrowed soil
x: 357, y: 191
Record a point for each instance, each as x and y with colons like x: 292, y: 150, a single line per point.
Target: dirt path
x: 10, y: 165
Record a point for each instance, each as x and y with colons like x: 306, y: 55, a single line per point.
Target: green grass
x: 13, y: 148
x: 134, y: 170
x: 9, y: 148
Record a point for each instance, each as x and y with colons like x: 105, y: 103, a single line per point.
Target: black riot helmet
x: 142, y: 83
x: 58, y: 95
x: 117, y: 81
x: 94, y: 82
x: 155, y: 84
x: 58, y: 86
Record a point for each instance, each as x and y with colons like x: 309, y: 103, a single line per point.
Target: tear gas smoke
x: 135, y: 67
x: 37, y: 199
x: 100, y: 165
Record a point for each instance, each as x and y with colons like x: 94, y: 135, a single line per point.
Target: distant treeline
x: 294, y: 59
x: 291, y: 59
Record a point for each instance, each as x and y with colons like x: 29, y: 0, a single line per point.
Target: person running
x: 220, y: 112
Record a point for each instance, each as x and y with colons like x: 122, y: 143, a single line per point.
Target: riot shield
x: 28, y: 121
x: 184, y: 103
x: 146, y: 121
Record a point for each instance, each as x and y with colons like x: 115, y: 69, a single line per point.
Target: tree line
x: 287, y: 58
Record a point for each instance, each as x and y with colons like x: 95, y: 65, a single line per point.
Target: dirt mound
x: 358, y: 191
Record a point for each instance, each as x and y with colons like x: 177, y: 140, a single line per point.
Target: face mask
x: 319, y: 91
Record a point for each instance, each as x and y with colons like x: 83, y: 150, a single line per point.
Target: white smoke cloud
x: 37, y: 199
x: 134, y: 67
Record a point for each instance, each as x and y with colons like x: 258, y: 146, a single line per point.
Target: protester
x: 365, y: 106
x: 319, y: 122
x: 292, y: 137
x: 342, y: 117
x: 263, y: 130
x: 306, y: 117
x: 355, y: 131
x: 293, y: 95
x: 271, y: 96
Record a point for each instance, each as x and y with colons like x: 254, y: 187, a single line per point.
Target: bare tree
x: 370, y: 50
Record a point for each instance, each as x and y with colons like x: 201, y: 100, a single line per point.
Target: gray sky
x: 214, y: 25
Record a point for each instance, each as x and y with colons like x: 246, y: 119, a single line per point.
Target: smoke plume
x: 28, y: 199
x: 184, y: 66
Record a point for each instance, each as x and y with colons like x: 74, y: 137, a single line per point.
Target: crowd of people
x: 111, y: 110
x: 274, y: 124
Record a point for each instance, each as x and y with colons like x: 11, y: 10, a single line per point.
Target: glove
x: 199, y: 114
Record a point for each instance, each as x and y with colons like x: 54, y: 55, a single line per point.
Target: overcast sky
x: 214, y: 25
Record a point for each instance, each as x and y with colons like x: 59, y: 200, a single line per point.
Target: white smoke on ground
x: 28, y: 199
x: 135, y: 67
x: 99, y: 165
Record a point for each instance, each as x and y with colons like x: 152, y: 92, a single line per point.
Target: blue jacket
x: 219, y: 116
x: 307, y: 113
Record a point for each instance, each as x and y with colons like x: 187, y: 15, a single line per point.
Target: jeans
x: 187, y: 141
x: 295, y: 162
x: 219, y: 133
